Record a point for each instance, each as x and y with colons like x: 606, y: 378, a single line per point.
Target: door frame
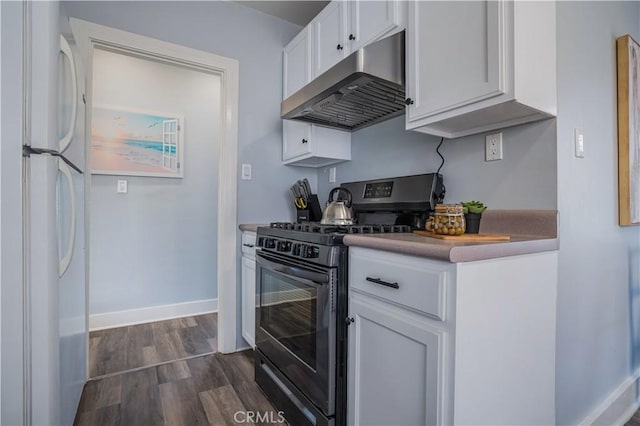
x: 88, y: 36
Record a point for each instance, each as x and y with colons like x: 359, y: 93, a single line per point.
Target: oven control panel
x: 305, y: 251
x: 315, y: 253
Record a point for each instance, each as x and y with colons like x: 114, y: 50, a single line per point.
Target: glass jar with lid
x: 448, y: 219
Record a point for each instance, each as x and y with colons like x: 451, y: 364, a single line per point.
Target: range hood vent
x: 365, y: 88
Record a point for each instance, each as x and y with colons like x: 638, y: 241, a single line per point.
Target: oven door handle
x: 294, y: 271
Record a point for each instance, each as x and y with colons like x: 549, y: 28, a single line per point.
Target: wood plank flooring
x: 205, y: 390
x: 635, y: 420
x: 125, y: 348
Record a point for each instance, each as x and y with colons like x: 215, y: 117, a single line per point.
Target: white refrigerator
x: 43, y: 343
x: 72, y: 268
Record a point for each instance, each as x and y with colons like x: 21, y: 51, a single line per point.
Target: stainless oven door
x: 296, y: 324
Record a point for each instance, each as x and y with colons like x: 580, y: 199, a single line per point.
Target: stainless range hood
x: 365, y: 88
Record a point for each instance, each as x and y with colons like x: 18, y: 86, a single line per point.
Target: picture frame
x: 134, y: 142
x: 628, y: 52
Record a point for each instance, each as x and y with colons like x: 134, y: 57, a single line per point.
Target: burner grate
x: 317, y: 228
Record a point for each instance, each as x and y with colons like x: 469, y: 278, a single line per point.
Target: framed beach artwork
x: 136, y: 143
x: 628, y: 130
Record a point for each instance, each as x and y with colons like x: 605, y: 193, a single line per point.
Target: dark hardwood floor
x: 126, y: 348
x: 208, y: 389
x: 635, y: 420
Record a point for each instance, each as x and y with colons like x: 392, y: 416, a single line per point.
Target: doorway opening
x: 153, y: 159
x: 159, y: 236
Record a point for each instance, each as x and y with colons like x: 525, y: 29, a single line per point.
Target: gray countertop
x: 250, y: 227
x: 417, y: 245
x: 531, y: 231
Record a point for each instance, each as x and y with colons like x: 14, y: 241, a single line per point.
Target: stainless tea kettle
x: 338, y: 212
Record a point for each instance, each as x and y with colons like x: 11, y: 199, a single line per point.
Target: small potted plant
x: 472, y: 215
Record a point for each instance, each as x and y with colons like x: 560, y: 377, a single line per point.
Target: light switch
x: 122, y: 186
x: 246, y: 172
x: 579, y: 143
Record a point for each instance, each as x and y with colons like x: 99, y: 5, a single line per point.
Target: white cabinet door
x: 296, y: 139
x: 394, y: 368
x: 329, y: 33
x: 370, y: 20
x: 249, y: 300
x: 455, y: 54
x: 297, y: 63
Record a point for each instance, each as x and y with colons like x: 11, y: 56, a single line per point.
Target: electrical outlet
x: 332, y: 175
x: 493, y: 147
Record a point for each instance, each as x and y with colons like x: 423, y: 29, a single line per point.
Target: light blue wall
x: 599, y: 266
x: 156, y: 244
x: 256, y: 41
x: 526, y: 178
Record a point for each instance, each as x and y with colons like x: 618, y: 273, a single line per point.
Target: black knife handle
x: 384, y: 283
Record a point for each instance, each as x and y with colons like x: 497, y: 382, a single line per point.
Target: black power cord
x: 440, y: 197
x: 438, y: 152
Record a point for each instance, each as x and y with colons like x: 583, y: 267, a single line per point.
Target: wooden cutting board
x: 465, y: 237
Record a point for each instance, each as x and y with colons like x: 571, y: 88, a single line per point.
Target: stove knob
x: 283, y: 246
x: 269, y: 243
x: 312, y: 252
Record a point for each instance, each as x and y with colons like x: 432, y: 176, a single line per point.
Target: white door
x: 330, y: 27
x: 394, y: 368
x: 455, y: 54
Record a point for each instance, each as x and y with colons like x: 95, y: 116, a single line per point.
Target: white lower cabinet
x: 440, y: 343
x: 394, y: 367
x: 248, y: 287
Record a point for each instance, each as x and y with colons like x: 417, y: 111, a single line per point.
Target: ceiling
x: 297, y: 12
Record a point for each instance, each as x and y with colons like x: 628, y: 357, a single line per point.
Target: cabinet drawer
x: 420, y: 285
x: 249, y: 244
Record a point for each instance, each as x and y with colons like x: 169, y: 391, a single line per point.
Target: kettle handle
x: 343, y: 190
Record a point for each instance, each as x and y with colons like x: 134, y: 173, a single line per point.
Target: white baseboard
x: 152, y: 313
x: 619, y: 406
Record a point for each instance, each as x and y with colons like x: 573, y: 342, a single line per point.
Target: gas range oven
x: 302, y: 294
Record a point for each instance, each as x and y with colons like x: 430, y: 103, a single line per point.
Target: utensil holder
x: 313, y: 212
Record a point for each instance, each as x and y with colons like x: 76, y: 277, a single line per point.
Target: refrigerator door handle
x: 65, y: 261
x: 66, y: 51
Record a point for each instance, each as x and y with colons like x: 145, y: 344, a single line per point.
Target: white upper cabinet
x: 296, y: 136
x: 296, y: 61
x: 339, y: 29
x: 330, y: 35
x: 345, y: 26
x: 371, y: 20
x: 308, y: 145
x: 474, y: 66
